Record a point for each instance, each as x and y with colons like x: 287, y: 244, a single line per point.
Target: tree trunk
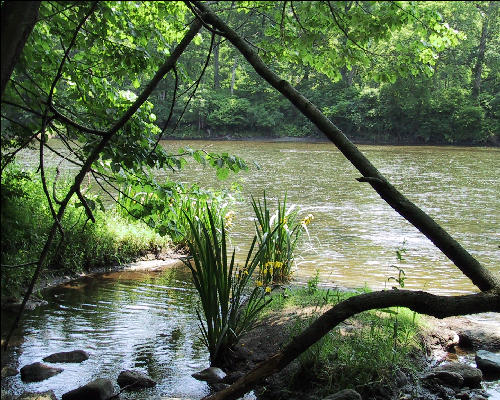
x: 478, y: 68
x: 233, y: 74
x: 18, y: 20
x: 216, y: 66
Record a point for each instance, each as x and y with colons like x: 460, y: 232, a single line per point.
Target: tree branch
x: 164, y: 69
x: 421, y: 302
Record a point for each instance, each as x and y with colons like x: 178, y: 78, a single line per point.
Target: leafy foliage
x: 26, y: 219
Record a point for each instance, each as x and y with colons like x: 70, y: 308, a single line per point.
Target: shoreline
x: 314, y: 139
x: 443, y: 338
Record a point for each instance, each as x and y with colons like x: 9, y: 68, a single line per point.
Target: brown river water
x: 146, y: 321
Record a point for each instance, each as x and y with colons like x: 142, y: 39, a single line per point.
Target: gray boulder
x: 489, y: 364
x: 210, y: 375
x: 75, y: 356
x: 447, y: 378
x: 100, y: 389
x: 37, y: 372
x: 472, y: 376
x: 346, y: 394
x: 49, y: 395
x: 135, y: 380
x: 480, y: 338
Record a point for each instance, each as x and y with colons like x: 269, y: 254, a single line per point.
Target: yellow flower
x: 307, y: 220
x: 278, y: 264
x: 268, y: 289
x: 271, y: 270
x: 258, y: 283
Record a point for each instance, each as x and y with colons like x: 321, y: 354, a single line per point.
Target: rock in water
x: 37, y: 372
x: 49, y: 395
x: 210, y: 375
x: 75, y: 356
x: 447, y: 378
x: 100, y: 389
x: 472, y: 376
x: 489, y: 364
x: 135, y: 380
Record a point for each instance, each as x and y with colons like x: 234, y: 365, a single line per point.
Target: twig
x: 19, y: 265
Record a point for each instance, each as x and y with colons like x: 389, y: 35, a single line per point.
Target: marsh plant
x: 229, y: 306
x: 282, y: 230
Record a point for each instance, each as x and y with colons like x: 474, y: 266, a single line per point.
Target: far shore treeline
x: 455, y: 99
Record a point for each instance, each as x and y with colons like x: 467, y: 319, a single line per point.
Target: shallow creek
x: 125, y: 320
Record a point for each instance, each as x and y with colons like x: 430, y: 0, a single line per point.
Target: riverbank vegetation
x: 365, y: 353
x: 452, y: 99
x: 26, y: 219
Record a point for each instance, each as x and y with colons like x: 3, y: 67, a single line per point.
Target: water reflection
x: 126, y: 320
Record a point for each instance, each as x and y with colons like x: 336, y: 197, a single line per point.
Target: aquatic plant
x: 229, y: 309
x: 287, y: 229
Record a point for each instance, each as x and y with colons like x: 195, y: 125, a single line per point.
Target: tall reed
x: 228, y: 308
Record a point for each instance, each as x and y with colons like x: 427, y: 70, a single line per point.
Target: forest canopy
x: 395, y: 72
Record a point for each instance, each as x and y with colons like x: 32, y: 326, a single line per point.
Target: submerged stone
x: 134, y: 380
x: 100, y: 389
x: 489, y: 364
x: 75, y: 356
x: 37, y: 372
x: 210, y: 375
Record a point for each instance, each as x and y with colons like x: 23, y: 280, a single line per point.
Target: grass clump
x: 364, y: 351
x: 26, y: 220
x: 229, y: 309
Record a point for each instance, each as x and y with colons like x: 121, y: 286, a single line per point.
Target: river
x: 355, y: 234
x: 146, y: 321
